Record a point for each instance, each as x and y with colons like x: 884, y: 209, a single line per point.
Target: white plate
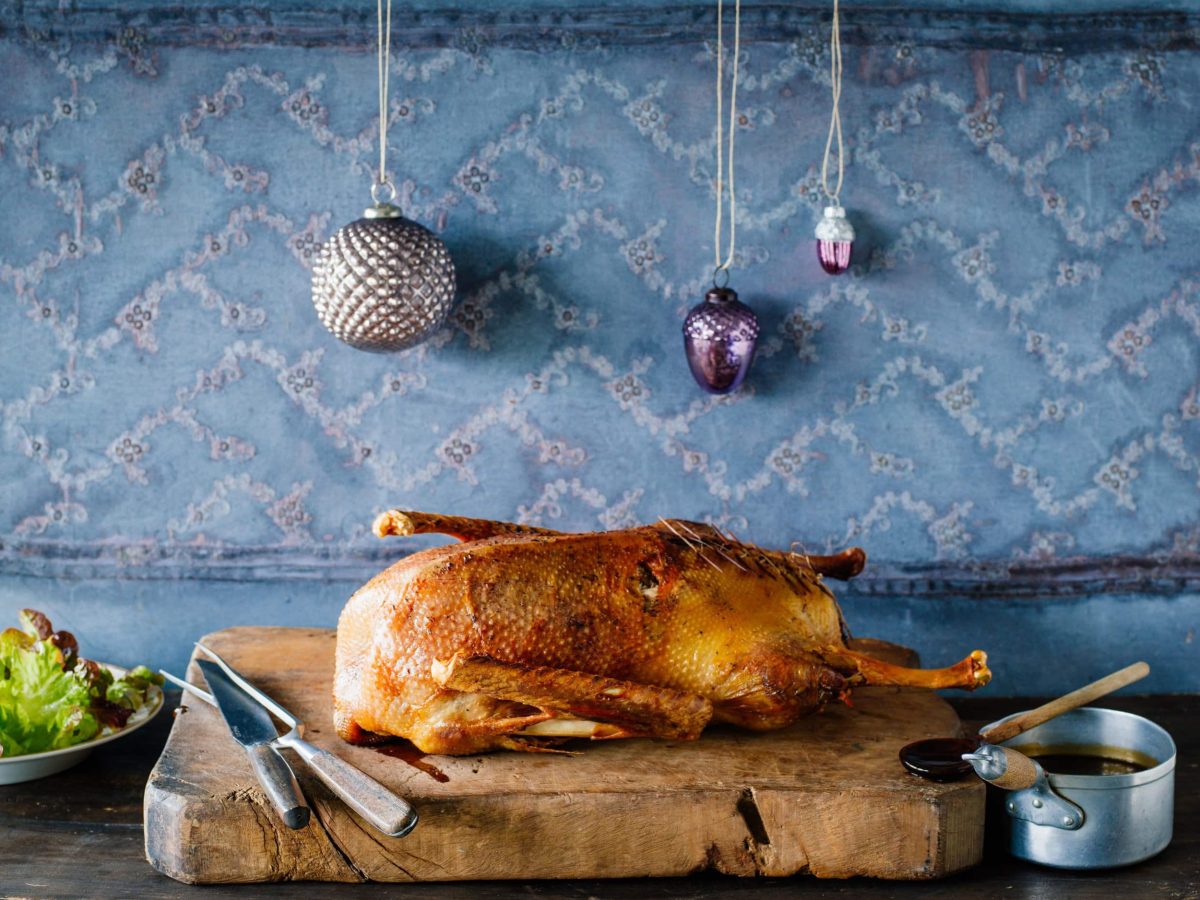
x: 29, y: 766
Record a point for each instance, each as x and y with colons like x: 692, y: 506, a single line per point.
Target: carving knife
x: 252, y: 727
x: 379, y: 806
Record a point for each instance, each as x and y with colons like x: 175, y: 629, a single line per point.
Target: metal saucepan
x: 1084, y: 821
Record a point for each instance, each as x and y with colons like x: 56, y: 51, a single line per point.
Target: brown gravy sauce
x: 414, y: 757
x: 939, y: 759
x: 1089, y: 759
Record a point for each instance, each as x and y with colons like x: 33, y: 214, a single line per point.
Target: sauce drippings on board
x: 414, y: 757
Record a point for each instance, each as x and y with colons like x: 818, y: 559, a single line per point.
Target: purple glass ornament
x: 834, y: 256
x: 720, y: 335
x: 835, y: 241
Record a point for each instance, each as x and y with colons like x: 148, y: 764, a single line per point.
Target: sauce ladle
x: 942, y: 759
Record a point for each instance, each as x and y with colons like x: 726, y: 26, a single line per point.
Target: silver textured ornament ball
x: 383, y: 283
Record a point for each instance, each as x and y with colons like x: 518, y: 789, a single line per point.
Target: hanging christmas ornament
x: 835, y: 240
x: 720, y: 333
x: 383, y: 283
x: 835, y: 234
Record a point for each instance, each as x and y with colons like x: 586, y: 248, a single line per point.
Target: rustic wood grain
x: 826, y: 797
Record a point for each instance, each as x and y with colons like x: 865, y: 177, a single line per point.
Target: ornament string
x: 835, y: 118
x: 737, y: 46
x: 383, y: 55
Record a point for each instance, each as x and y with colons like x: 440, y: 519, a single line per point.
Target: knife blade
x: 252, y: 727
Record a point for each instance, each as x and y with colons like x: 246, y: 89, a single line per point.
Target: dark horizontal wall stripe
x: 1081, y: 577
x: 1075, y: 577
x: 1069, y: 28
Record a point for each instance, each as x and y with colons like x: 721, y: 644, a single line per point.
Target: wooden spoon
x: 940, y: 759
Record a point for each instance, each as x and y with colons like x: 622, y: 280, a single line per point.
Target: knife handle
x: 362, y: 793
x: 276, y: 777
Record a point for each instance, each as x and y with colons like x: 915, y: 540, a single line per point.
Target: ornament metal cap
x: 382, y: 211
x: 834, y: 226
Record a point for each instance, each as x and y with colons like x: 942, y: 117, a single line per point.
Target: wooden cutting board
x: 827, y: 797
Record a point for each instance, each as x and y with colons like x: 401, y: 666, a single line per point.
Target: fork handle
x: 362, y: 793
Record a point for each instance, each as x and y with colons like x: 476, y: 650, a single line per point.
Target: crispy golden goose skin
x: 521, y: 636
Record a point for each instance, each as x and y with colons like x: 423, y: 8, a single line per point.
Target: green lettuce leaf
x: 50, y: 698
x: 131, y: 691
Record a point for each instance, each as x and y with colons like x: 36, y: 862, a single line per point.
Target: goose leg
x: 405, y: 522
x: 968, y: 674
x: 842, y: 566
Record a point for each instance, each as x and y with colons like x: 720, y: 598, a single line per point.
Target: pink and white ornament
x: 835, y: 240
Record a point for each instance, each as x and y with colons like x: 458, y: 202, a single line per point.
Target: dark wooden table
x: 79, y: 834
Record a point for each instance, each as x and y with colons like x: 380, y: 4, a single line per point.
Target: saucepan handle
x: 362, y: 793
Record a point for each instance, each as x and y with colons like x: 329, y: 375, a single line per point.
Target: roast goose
x: 519, y: 637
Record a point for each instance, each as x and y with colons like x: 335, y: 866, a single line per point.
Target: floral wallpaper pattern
x: 1010, y: 372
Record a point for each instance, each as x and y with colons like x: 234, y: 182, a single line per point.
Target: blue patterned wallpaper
x: 1005, y: 387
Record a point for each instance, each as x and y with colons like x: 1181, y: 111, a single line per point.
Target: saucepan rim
x: 1101, y: 782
